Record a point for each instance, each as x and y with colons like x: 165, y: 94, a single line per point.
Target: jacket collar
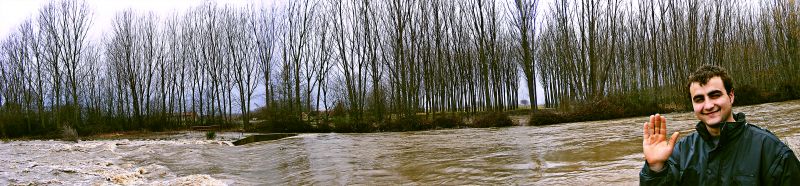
x: 728, y: 130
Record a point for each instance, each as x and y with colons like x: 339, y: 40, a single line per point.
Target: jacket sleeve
x: 667, y: 176
x: 670, y: 175
x: 784, y: 170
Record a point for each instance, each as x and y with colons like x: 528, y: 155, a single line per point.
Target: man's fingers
x: 650, y: 129
x: 652, y: 125
x: 656, y: 124
x: 646, y: 131
x: 673, y: 139
x: 663, y: 124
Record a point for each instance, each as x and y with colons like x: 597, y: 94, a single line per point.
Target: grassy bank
x: 283, y: 122
x: 278, y: 122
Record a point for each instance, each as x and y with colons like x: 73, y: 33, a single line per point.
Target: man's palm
x: 656, y: 148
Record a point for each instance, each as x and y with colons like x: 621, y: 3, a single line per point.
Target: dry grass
x: 69, y: 134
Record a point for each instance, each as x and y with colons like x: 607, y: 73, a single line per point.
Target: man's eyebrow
x: 715, y: 92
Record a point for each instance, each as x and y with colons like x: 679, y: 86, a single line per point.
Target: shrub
x: 521, y: 111
x: 748, y: 95
x: 210, y: 135
x: 789, y: 92
x: 287, y: 124
x: 389, y: 126
x: 324, y: 126
x: 157, y: 123
x: 493, y: 119
x: 609, y: 107
x: 280, y: 120
x: 751, y: 95
x: 404, y: 123
x: 448, y: 122
x: 547, y: 117
x: 339, y: 110
x: 344, y: 125
x: 69, y: 134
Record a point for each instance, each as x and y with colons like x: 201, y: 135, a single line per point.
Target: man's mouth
x: 712, y: 112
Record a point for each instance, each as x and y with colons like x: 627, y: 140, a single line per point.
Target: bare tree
x: 241, y: 49
x: 525, y: 12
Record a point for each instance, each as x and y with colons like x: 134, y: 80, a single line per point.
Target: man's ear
x: 731, y: 95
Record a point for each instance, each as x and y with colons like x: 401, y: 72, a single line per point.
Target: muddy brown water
x: 596, y: 153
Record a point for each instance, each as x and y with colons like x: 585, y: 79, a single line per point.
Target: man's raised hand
x: 656, y: 148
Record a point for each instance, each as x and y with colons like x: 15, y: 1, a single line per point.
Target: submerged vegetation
x: 365, y: 66
x: 210, y: 135
x: 69, y: 134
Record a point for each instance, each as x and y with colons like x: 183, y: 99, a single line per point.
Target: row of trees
x: 44, y: 67
x: 379, y: 61
x: 645, y: 50
x: 147, y: 72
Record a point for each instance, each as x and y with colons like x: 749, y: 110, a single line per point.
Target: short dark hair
x: 703, y: 74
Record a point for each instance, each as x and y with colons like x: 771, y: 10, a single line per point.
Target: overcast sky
x: 13, y: 12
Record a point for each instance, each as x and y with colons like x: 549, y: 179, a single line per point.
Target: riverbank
x: 287, y: 124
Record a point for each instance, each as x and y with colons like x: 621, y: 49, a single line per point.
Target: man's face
x: 712, y: 104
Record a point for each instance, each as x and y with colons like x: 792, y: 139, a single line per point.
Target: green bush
x: 280, y: 120
x: 521, y: 111
x: 789, y: 92
x: 324, y: 127
x: 448, y: 122
x: 287, y: 124
x: 751, y: 95
x: 405, y: 123
x: 609, y: 107
x: 492, y: 119
x: 747, y: 95
x: 210, y: 135
x: 547, y: 117
x: 344, y: 125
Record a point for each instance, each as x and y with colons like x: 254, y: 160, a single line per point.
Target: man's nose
x: 708, y: 105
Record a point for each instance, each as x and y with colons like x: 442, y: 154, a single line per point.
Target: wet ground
x: 596, y: 153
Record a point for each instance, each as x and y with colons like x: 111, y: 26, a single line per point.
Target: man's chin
x: 712, y: 124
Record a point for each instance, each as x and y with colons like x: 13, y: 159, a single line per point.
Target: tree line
x: 638, y: 54
x: 376, y: 62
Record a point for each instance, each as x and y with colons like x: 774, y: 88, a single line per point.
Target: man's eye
x: 714, y: 96
x: 698, y: 100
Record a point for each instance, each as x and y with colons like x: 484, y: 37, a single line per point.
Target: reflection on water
x: 599, y: 152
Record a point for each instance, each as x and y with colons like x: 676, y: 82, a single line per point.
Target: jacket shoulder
x: 762, y: 133
x: 767, y: 139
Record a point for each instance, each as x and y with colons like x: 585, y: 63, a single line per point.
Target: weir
x: 262, y: 137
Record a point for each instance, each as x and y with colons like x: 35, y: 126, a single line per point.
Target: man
x: 725, y: 149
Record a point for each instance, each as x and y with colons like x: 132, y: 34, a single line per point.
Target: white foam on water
x: 92, y: 163
x: 196, y: 179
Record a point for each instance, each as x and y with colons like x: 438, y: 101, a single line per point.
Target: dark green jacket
x: 746, y: 155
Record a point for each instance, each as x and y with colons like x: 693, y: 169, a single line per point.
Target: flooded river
x: 596, y: 153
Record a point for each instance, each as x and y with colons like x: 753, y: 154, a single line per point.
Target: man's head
x: 711, y: 92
